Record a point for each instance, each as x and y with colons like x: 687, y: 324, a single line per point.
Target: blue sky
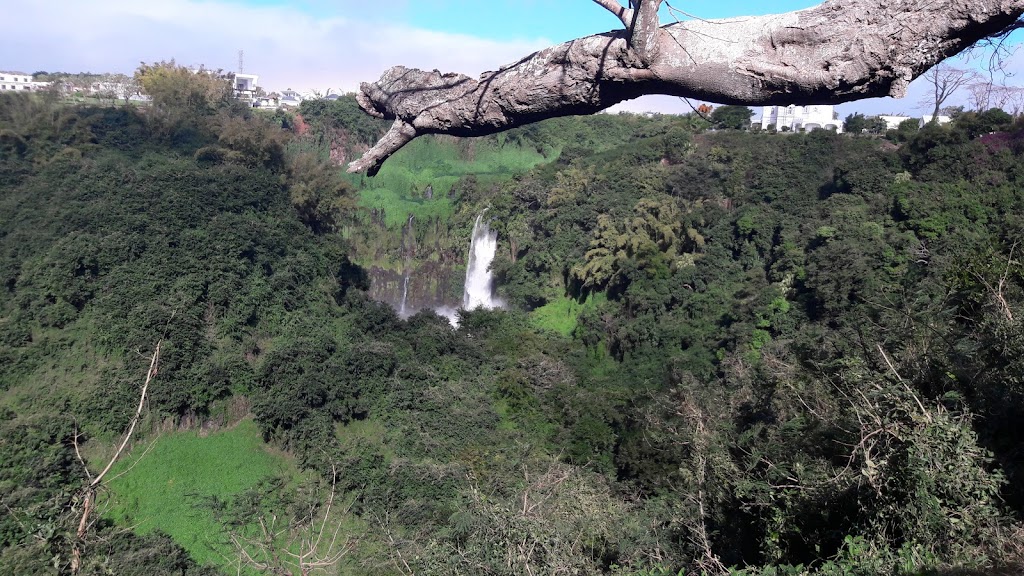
x: 561, y: 20
x: 554, y: 20
x: 329, y: 44
x: 515, y: 19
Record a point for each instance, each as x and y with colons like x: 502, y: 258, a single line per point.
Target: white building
x: 927, y: 118
x: 246, y: 86
x: 797, y: 118
x: 20, y: 82
x: 893, y: 122
x: 289, y: 98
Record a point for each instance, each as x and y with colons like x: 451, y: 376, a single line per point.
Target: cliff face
x: 430, y: 285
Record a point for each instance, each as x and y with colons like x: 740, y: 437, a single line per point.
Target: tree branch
x: 625, y: 15
x: 135, y: 419
x: 839, y: 51
x: 644, y: 29
x: 904, y: 383
x: 399, y: 135
x: 78, y: 454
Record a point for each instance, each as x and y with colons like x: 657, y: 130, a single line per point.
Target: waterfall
x: 405, y: 296
x: 408, y: 250
x: 479, y: 291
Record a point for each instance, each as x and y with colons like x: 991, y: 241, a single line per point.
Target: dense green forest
x: 724, y: 352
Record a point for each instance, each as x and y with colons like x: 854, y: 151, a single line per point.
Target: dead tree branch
x: 838, y: 51
x: 944, y: 81
x: 89, y: 492
x: 998, y: 292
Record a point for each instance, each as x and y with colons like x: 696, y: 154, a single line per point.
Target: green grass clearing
x: 367, y: 430
x: 560, y: 315
x: 166, y: 487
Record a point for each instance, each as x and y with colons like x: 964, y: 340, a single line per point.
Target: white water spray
x: 479, y: 291
x: 405, y: 296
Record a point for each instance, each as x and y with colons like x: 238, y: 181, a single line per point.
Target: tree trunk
x: 839, y: 51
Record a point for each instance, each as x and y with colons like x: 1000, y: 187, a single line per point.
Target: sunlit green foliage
x: 177, y: 89
x: 562, y: 315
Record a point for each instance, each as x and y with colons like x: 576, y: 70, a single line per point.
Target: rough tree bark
x: 839, y: 51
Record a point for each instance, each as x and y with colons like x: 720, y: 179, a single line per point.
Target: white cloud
x: 286, y: 46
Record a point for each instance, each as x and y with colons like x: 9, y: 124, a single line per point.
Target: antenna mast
x: 241, y: 61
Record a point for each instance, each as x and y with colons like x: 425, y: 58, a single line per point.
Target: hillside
x: 776, y: 353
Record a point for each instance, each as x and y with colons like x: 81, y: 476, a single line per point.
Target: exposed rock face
x: 431, y: 285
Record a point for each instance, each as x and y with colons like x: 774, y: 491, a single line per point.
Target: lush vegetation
x: 758, y: 353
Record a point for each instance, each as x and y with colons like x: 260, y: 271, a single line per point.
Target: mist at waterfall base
x: 478, y: 291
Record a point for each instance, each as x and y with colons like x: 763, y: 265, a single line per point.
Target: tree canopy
x: 735, y: 117
x: 179, y: 88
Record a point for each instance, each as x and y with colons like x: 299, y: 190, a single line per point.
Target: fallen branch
x: 89, y: 492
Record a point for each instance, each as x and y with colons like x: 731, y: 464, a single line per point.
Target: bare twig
x: 395, y: 547
x: 997, y: 291
x: 299, y: 544
x: 130, y: 467
x: 78, y: 454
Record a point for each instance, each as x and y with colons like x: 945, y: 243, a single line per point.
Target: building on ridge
x: 246, y: 86
x: 927, y: 119
x: 290, y: 98
x: 18, y: 81
x: 893, y: 121
x: 800, y: 118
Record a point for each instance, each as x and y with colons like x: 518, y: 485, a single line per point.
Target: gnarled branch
x: 625, y: 15
x: 838, y: 51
